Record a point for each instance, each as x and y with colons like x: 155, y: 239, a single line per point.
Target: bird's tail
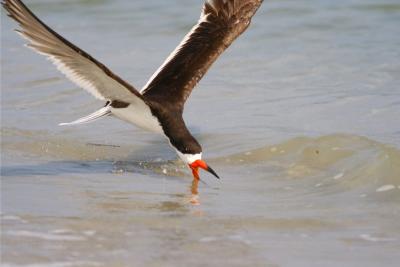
x: 104, y: 111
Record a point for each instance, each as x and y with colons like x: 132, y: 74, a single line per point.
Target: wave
x: 332, y: 163
x: 336, y: 161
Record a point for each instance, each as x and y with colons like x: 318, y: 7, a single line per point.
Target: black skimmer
x: 158, y: 107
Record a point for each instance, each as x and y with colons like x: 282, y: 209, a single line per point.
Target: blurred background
x: 300, y: 117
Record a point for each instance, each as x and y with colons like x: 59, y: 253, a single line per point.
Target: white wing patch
x: 79, y: 80
x: 73, y: 62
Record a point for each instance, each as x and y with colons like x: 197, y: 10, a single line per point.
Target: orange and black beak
x: 201, y: 164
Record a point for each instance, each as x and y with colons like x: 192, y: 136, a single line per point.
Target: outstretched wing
x: 75, y: 63
x: 221, y: 22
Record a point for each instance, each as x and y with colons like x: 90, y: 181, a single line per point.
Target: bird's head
x: 195, y: 163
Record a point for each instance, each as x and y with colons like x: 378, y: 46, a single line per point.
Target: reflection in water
x: 194, y: 198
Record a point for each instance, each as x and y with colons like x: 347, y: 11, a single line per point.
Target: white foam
x: 368, y: 237
x: 62, y: 231
x: 338, y: 176
x: 386, y: 187
x: 44, y: 236
x: 89, y: 232
x: 13, y: 218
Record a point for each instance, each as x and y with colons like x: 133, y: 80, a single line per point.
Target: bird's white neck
x: 189, y: 158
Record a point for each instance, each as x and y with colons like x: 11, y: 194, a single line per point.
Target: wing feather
x: 220, y: 23
x: 76, y: 64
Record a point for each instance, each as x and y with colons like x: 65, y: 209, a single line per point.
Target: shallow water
x: 299, y: 117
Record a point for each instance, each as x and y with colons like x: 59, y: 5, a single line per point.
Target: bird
x: 159, y: 105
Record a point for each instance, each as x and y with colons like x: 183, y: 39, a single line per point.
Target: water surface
x: 299, y: 117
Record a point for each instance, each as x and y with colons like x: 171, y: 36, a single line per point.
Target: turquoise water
x: 299, y: 117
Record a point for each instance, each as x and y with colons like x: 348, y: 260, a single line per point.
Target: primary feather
x: 76, y: 64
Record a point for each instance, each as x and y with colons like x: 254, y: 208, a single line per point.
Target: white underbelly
x: 139, y: 115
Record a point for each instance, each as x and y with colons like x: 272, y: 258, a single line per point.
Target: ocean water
x: 299, y: 117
